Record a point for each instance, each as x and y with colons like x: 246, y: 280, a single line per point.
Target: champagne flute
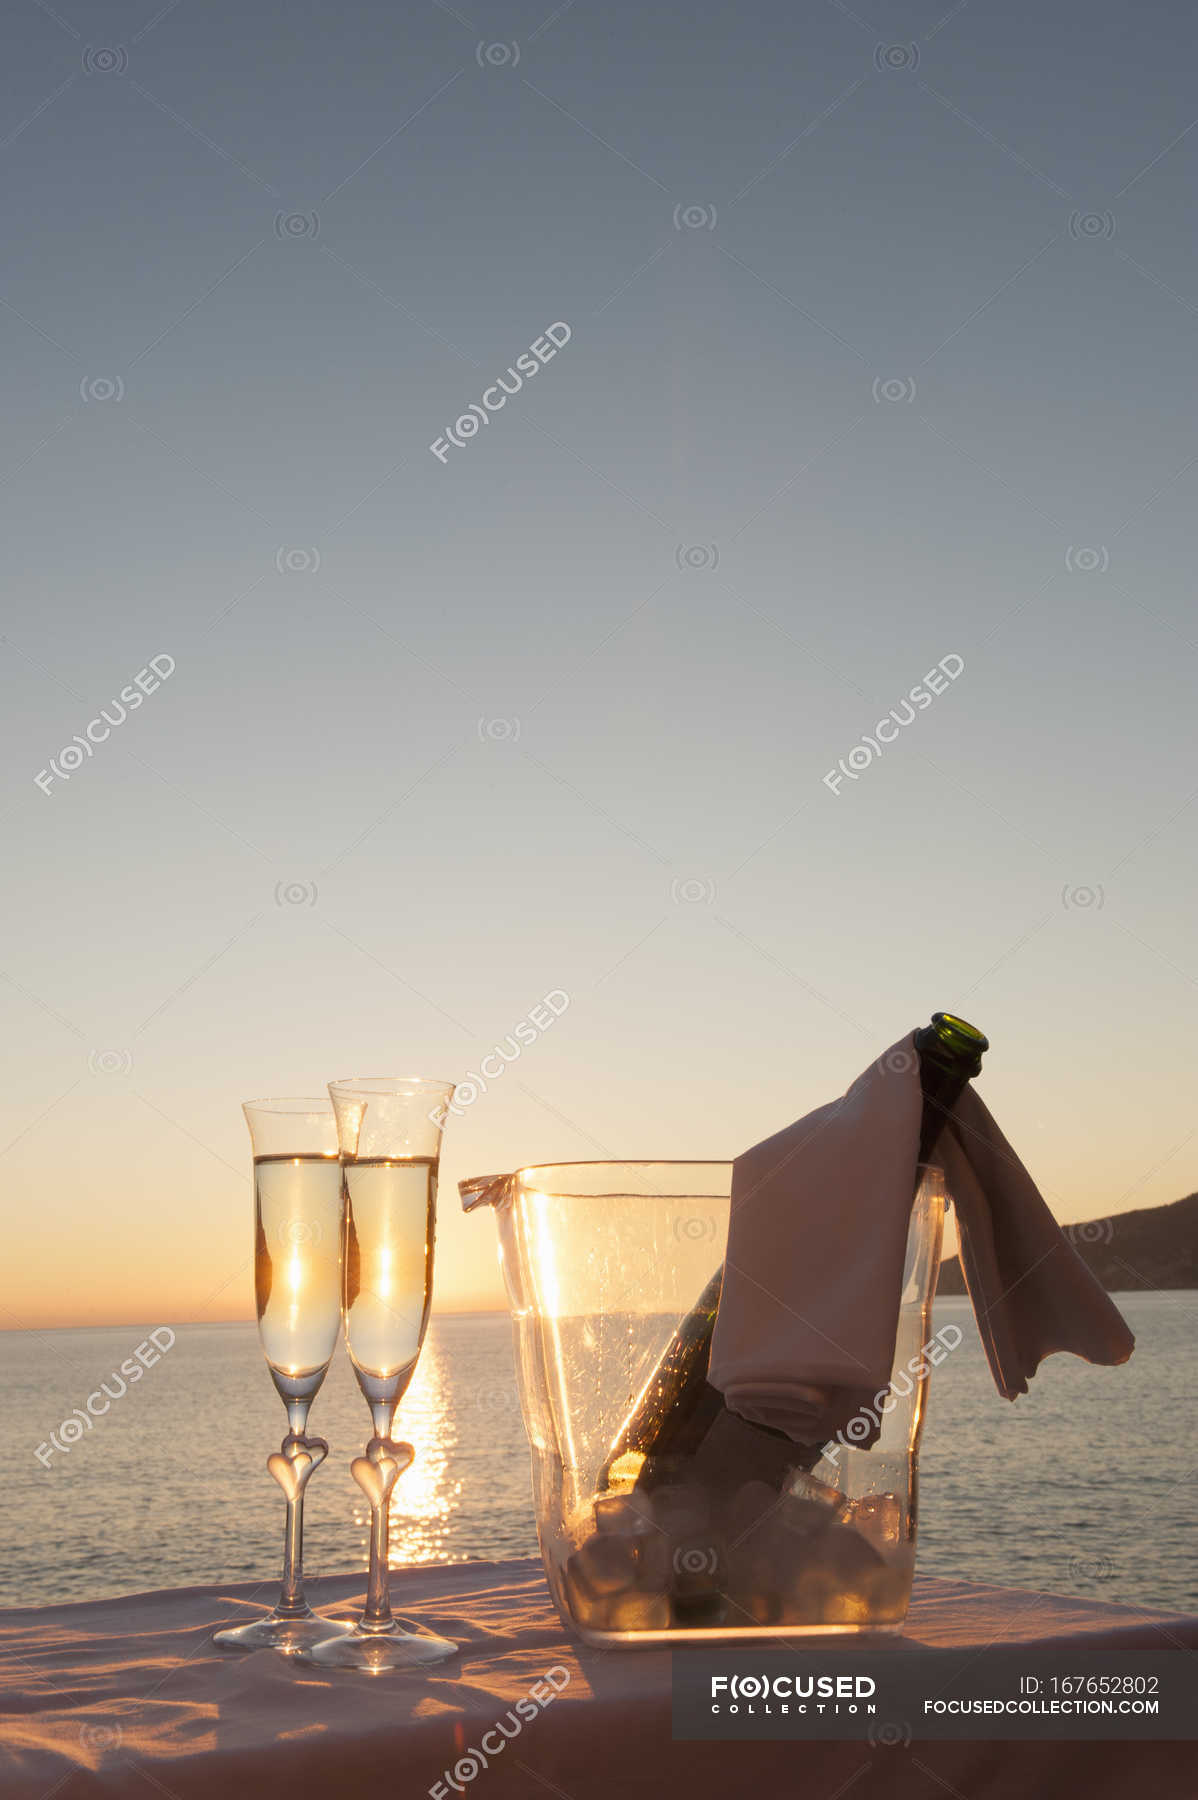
x: 389, y: 1129
x: 297, y: 1281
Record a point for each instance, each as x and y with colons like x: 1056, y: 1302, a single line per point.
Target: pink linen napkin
x: 805, y: 1334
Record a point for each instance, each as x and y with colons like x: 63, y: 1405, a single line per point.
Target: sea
x: 1083, y: 1486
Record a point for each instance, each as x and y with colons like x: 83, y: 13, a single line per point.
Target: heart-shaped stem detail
x: 292, y: 1468
x: 376, y: 1474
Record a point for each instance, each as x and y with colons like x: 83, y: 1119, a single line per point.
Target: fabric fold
x: 805, y: 1334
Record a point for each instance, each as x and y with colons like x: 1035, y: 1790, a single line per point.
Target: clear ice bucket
x: 602, y: 1262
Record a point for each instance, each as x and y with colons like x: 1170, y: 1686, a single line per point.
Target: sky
x: 869, y: 359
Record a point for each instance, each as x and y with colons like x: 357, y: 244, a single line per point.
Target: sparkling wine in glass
x: 389, y: 1129
x: 297, y: 1282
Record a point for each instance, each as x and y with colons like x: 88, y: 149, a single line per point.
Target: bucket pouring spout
x: 485, y: 1190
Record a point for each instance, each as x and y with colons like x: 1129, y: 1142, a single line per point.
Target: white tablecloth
x: 129, y: 1697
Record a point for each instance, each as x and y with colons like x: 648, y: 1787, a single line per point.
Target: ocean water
x: 1080, y: 1487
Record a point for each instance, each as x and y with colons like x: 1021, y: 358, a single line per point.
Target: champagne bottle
x: 679, y: 1426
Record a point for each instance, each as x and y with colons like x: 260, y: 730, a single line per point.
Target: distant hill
x: 1156, y: 1247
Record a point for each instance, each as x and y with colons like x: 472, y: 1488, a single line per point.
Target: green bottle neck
x: 950, y: 1055
x: 952, y: 1043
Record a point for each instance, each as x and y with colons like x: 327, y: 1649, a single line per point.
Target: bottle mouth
x: 952, y: 1043
x: 960, y: 1031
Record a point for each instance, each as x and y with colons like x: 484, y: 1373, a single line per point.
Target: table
x: 128, y: 1697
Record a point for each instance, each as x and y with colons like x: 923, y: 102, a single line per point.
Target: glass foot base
x: 379, y: 1651
x: 276, y: 1633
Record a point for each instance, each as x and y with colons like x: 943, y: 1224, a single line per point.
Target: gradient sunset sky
x: 881, y: 327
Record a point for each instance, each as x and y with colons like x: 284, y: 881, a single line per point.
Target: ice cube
x: 581, y: 1604
x: 844, y: 1554
x: 888, y: 1591
x: 603, y: 1565
x: 833, y: 1579
x: 879, y: 1518
x: 803, y: 1486
x: 638, y: 1612
x: 653, y: 1561
x: 803, y: 1518
x: 761, y: 1604
x: 752, y: 1584
x: 876, y: 1597
x: 624, y: 1515
x: 681, y: 1509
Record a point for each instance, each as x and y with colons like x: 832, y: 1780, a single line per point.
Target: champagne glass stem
x: 291, y: 1599
x: 376, y: 1474
x: 377, y: 1614
x: 291, y: 1467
